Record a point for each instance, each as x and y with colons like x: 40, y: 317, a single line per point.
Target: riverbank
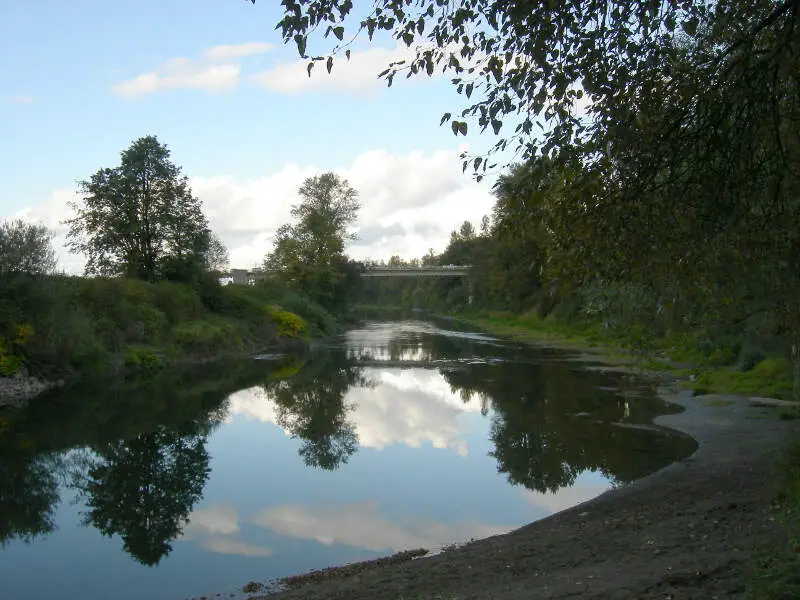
x: 58, y: 330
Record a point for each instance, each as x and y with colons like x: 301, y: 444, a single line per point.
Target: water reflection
x: 28, y: 495
x: 311, y: 406
x: 361, y: 525
x: 144, y: 489
x: 432, y: 416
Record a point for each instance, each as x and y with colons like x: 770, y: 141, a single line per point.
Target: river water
x: 397, y: 435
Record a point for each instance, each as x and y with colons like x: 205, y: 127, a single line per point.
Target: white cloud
x: 358, y: 75
x: 360, y: 525
x: 213, y: 72
x: 20, y: 99
x: 410, y: 203
x: 230, y: 51
x: 181, y: 73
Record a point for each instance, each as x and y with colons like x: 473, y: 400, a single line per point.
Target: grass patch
x: 776, y: 573
x: 772, y: 377
x: 532, y: 328
x: 714, y: 373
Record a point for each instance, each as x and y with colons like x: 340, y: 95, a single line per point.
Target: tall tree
x: 25, y: 248
x: 139, y: 219
x: 310, y: 253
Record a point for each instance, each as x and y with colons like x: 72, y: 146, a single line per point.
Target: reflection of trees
x: 134, y: 474
x: 145, y: 488
x: 28, y: 496
x: 539, y: 441
x: 311, y: 407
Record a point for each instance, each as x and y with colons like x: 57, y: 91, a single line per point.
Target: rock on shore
x: 18, y: 389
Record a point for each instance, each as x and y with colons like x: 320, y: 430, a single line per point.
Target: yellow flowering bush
x: 11, y: 349
x: 288, y: 324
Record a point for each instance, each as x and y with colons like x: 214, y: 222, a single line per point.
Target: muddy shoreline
x: 687, y: 531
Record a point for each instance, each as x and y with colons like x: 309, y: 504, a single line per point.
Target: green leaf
x: 690, y: 26
x: 445, y: 117
x: 462, y: 128
x: 310, y: 66
x: 347, y: 53
x: 301, y: 44
x: 339, y: 33
x: 454, y: 127
x: 329, y: 64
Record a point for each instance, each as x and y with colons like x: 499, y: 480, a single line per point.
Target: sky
x: 211, y: 79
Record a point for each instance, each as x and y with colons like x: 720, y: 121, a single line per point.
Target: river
x: 396, y: 435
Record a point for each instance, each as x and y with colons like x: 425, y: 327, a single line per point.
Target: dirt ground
x: 686, y: 532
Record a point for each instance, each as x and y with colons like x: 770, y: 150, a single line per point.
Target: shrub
x: 207, y: 335
x: 177, y: 302
x: 289, y: 324
x: 142, y: 359
x: 12, y: 350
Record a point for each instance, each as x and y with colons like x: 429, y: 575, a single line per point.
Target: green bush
x: 206, y: 336
x: 770, y: 377
x: 177, y: 302
x: 142, y: 359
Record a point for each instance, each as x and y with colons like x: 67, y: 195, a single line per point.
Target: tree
x: 538, y: 60
x: 310, y: 253
x: 139, y: 219
x: 217, y: 258
x: 25, y: 248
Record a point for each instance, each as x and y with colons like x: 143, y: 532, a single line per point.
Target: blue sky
x: 212, y: 79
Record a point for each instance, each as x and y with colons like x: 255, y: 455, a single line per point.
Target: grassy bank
x: 68, y: 327
x: 707, y: 366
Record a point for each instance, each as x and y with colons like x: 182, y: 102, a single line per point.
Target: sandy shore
x: 687, y: 531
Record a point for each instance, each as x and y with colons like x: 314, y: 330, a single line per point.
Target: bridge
x: 250, y: 276
x: 426, y: 271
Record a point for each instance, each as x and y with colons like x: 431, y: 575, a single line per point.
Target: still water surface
x: 397, y: 435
